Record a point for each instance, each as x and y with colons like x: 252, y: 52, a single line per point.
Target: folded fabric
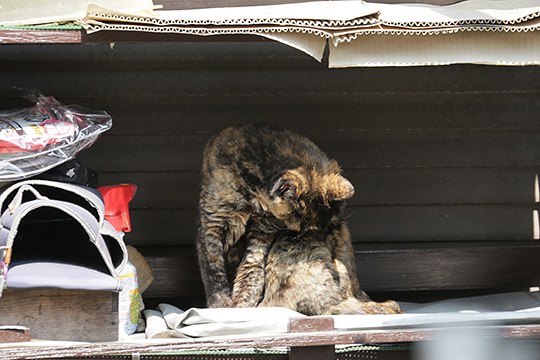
x: 169, y: 321
x: 508, y: 308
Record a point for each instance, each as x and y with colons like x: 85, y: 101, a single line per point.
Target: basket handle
x: 17, y: 200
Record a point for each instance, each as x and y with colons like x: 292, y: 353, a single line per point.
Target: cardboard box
x: 359, y: 34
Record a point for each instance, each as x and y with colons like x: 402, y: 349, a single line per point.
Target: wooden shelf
x: 79, y: 36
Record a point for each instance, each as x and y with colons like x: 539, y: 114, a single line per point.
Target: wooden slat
x: 367, y: 224
x: 262, y: 80
x: 80, y: 36
x: 153, y: 57
x: 494, y: 267
x: 177, y: 114
x: 373, y: 187
x: 187, y: 347
x: 435, y: 223
x: 14, y: 36
x: 450, y: 266
x: 401, y: 149
x: 265, y: 69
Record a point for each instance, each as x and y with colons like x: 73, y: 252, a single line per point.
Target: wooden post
x: 311, y: 324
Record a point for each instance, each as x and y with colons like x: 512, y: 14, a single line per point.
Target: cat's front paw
x: 244, y: 302
x: 387, y: 307
x: 220, y: 301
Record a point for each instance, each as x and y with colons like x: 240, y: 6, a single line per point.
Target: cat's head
x: 305, y: 199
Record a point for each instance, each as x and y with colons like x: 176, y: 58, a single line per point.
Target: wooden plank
x: 56, y: 314
x: 254, y: 80
x: 452, y: 267
x: 367, y: 224
x: 385, y: 268
x: 435, y: 223
x: 80, y: 36
x: 436, y: 186
x: 18, y: 36
x: 309, y: 325
x: 153, y: 57
x: 177, y: 115
x: 176, y: 274
x: 388, y: 149
x: 455, y: 186
x: 244, y: 69
x: 179, y: 347
x: 181, y: 114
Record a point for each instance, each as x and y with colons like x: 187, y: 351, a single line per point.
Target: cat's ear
x: 290, y: 184
x: 283, y: 187
x: 340, y: 188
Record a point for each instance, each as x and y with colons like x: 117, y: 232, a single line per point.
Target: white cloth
x: 170, y: 322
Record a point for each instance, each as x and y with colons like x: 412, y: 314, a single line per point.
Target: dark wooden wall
x: 444, y: 159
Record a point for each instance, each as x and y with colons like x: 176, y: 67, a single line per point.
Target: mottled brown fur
x: 272, y: 231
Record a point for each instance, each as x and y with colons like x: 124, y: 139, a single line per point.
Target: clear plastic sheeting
x: 36, y: 139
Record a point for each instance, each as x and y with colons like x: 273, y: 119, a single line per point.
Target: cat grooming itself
x: 271, y: 229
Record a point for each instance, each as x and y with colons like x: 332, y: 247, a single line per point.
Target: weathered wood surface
x: 401, y: 224
x: 52, y: 314
x: 309, y: 325
x: 375, y: 187
x: 18, y: 36
x: 322, y: 338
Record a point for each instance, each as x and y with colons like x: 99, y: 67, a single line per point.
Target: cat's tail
x: 353, y: 306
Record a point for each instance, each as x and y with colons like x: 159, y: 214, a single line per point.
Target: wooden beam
x: 183, y: 346
x: 78, y: 36
x: 24, y: 36
x: 311, y: 324
x: 383, y: 268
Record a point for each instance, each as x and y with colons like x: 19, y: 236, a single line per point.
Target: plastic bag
x: 36, y: 139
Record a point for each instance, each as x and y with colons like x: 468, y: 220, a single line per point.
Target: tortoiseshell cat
x: 272, y: 231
